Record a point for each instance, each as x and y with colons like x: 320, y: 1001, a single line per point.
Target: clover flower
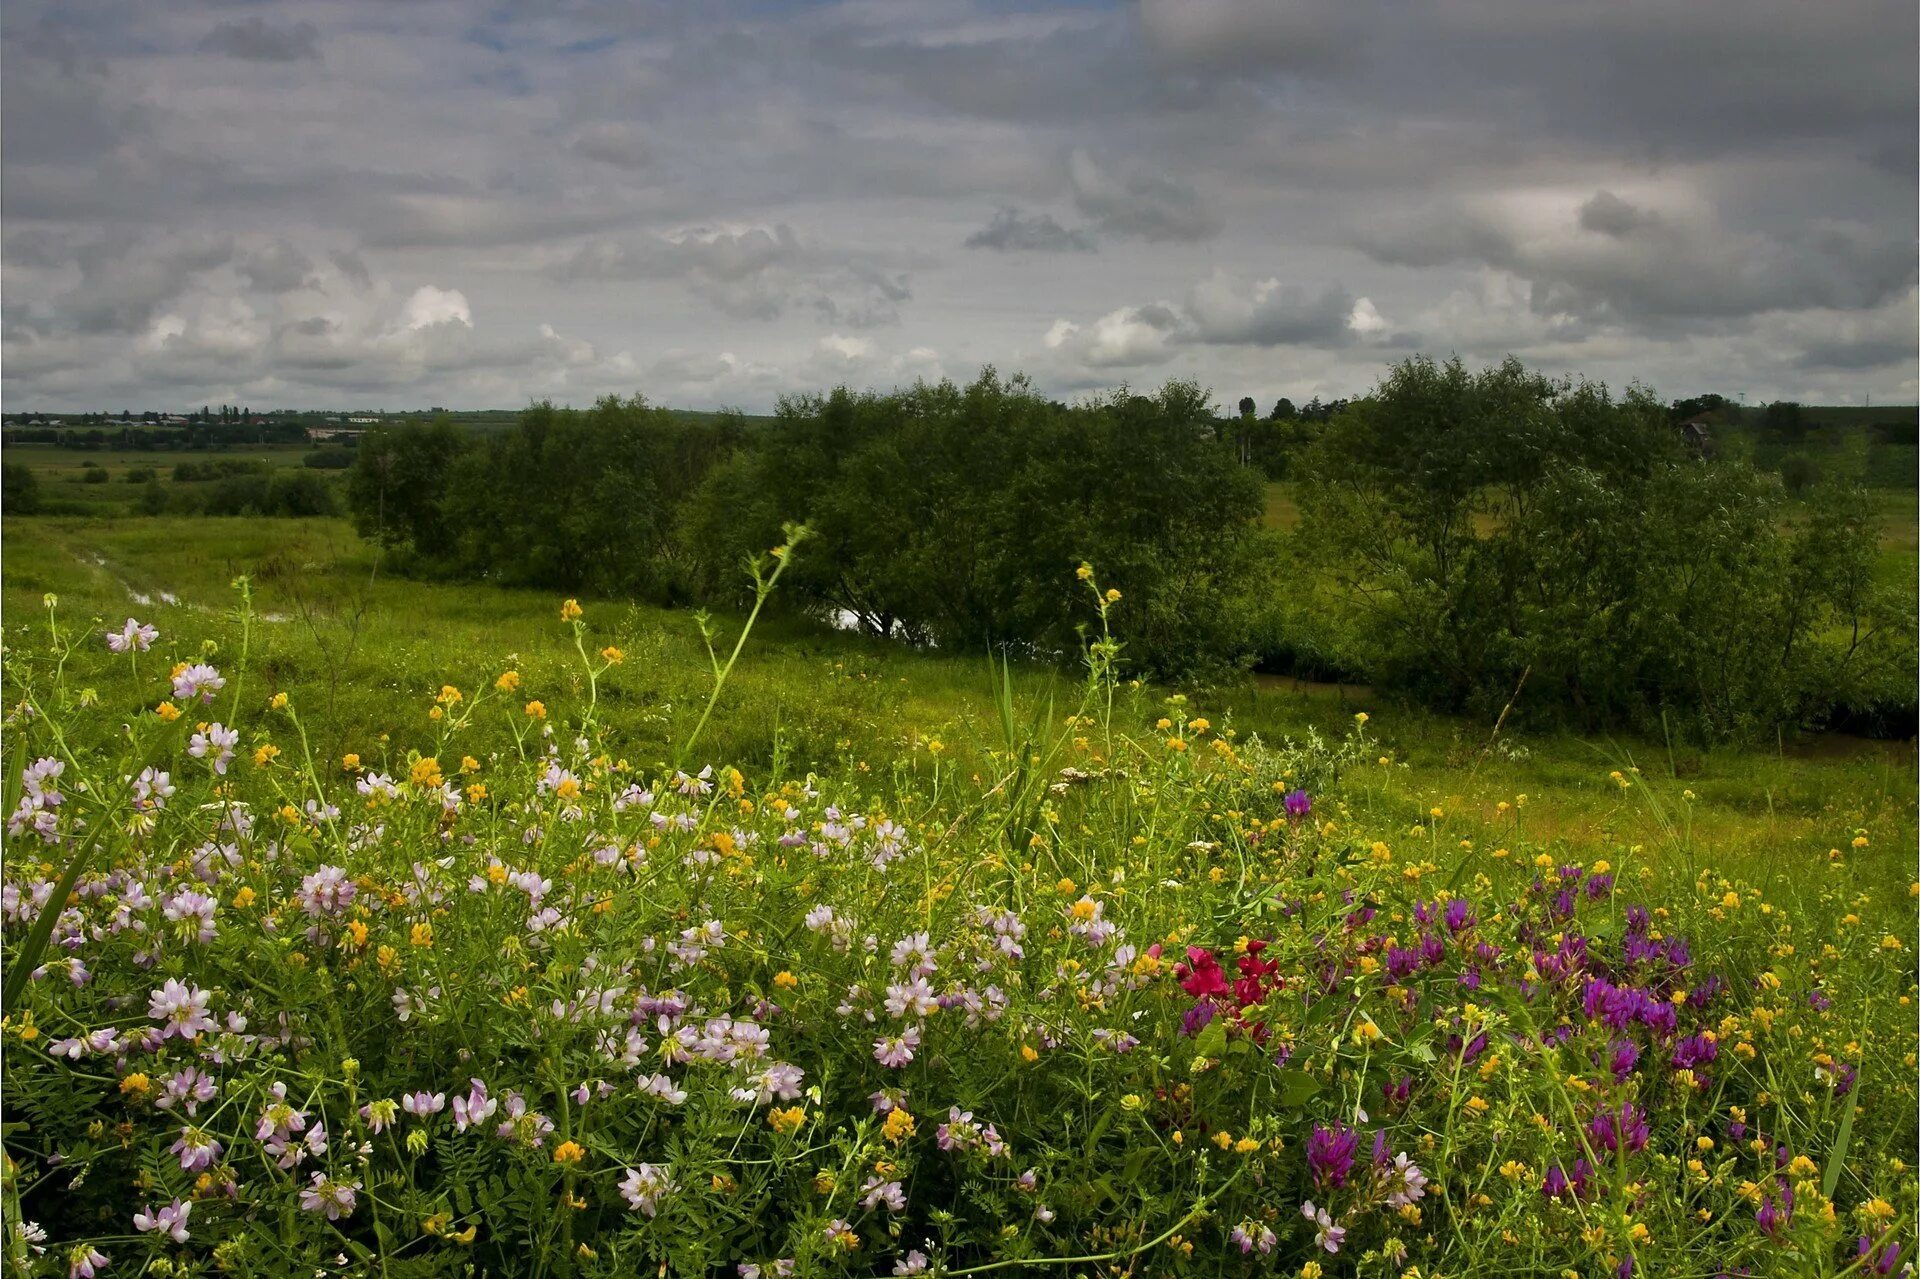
x: 323, y: 1194
x: 644, y: 1187
x: 170, y: 1220
x: 133, y: 637
x: 181, y: 1010
x: 197, y: 680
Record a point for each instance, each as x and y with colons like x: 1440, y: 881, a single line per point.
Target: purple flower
x: 1694, y: 1050
x: 1459, y: 915
x: 85, y: 1261
x: 1298, y: 803
x: 1884, y: 1262
x: 196, y: 1149
x: 1330, y: 1154
x: 1775, y: 1214
x: 1622, y: 1056
x: 1622, y: 1130
x: 895, y: 1051
x: 1326, y: 1234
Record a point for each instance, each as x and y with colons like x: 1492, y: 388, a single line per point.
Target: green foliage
x: 1498, y: 528
x: 19, y: 489
x: 955, y: 515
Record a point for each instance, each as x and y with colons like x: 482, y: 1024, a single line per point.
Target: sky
x: 370, y: 203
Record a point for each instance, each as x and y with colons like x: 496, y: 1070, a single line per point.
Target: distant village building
x: 1697, y: 431
x: 335, y: 434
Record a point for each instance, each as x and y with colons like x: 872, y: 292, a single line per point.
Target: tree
x: 399, y: 483
x: 1247, y: 407
x: 1283, y: 410
x: 1784, y: 420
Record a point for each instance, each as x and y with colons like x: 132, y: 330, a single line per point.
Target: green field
x: 449, y: 848
x: 374, y: 649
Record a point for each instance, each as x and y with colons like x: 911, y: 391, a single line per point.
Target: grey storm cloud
x: 257, y: 40
x: 1012, y: 231
x: 302, y: 204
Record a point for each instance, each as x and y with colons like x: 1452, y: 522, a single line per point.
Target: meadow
x: 437, y: 928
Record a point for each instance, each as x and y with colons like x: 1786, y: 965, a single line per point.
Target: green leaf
x: 1294, y: 1088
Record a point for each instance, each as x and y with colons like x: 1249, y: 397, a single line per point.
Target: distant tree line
x: 1466, y: 538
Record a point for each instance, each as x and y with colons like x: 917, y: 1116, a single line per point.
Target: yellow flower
x: 1113, y: 596
x: 569, y: 1152
x: 350, y: 763
x: 449, y: 695
x: 1311, y: 1270
x: 785, y: 980
x: 476, y: 792
x: 898, y: 1127
x: 570, y: 611
x: 425, y: 773
x: 167, y: 711
x: 265, y: 755
x: 1028, y: 1053
x: 613, y: 655
x: 243, y: 898
x: 422, y: 935
x: 135, y: 1085
x: 468, y: 764
x: 508, y: 681
x: 279, y: 702
x: 1084, y: 572
x: 1360, y: 717
x: 786, y: 1121
x: 537, y: 710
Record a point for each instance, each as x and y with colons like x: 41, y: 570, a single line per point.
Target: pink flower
x: 134, y: 636
x: 335, y: 1198
x: 895, y: 1051
x: 199, y: 680
x: 644, y: 1187
x: 182, y: 1009
x: 170, y: 1220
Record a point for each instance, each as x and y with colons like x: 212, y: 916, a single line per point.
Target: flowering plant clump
x: 519, y: 1006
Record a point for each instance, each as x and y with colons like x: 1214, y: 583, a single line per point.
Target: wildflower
x: 1404, y: 1182
x: 170, y: 1220
x: 613, y: 655
x: 1330, y: 1154
x: 196, y: 1149
x: 324, y: 1194
x: 536, y: 710
x: 1250, y: 1234
x: 217, y: 740
x: 1326, y: 1234
x: 898, y: 1126
x: 570, y: 611
x: 85, y: 1261
x: 569, y: 1152
x: 644, y: 1187
x: 167, y: 711
x: 181, y: 1009
x: 197, y: 680
x: 788, y: 1121
x: 895, y: 1051
x: 133, y: 637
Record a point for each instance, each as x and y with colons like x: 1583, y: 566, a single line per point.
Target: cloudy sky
x: 382, y: 204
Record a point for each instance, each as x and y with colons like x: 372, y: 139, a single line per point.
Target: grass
x: 370, y: 651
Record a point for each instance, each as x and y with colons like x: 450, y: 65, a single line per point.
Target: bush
x: 91, y: 474
x: 1499, y: 529
x: 19, y: 489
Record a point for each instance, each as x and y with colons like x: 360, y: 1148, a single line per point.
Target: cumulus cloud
x: 1220, y: 311
x: 1605, y: 257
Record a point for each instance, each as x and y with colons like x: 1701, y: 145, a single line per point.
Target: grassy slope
x: 369, y: 653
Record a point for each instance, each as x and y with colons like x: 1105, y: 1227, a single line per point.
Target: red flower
x: 1200, y: 976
